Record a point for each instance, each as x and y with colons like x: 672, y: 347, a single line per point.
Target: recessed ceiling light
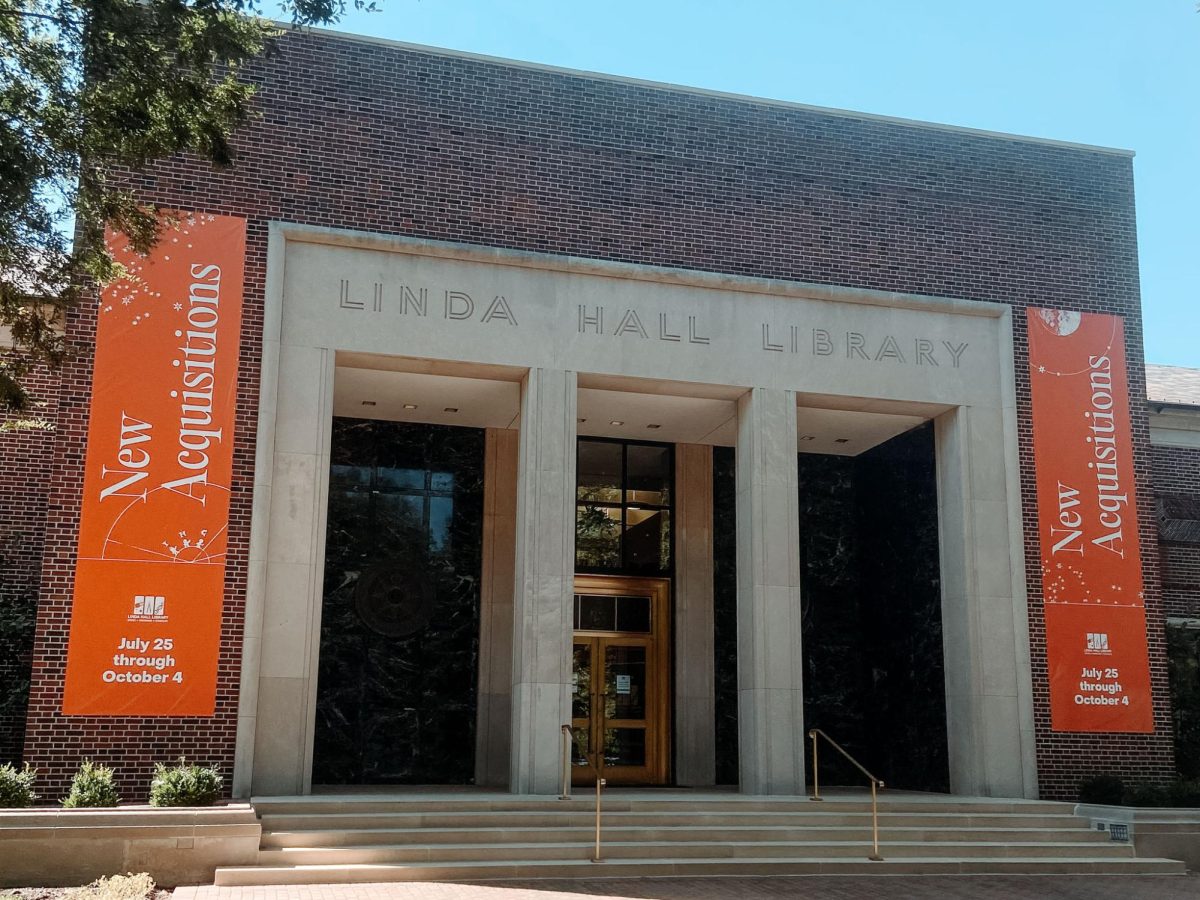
x: 450, y: 409
x: 654, y: 426
x: 841, y: 440
x: 410, y: 406
x: 580, y: 421
x: 368, y: 403
x: 615, y: 422
x: 807, y: 437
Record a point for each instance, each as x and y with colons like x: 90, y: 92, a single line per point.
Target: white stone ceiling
x: 371, y: 388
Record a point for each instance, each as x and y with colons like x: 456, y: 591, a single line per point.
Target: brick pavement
x: 891, y: 887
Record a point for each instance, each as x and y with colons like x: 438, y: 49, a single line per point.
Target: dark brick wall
x: 25, y: 474
x: 362, y: 135
x: 1177, y: 481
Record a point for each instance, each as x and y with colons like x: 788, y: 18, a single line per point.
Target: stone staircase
x: 476, y: 836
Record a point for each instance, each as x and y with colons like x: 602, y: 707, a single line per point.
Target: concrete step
x: 581, y: 850
x: 1078, y: 831
x: 683, y: 867
x: 350, y: 804
x: 567, y: 819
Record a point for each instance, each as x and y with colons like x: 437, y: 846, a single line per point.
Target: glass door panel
x: 582, y: 756
x: 624, y: 681
x: 620, y: 709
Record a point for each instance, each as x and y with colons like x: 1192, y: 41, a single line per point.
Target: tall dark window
x: 623, y: 507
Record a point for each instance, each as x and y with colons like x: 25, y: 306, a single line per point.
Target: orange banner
x: 1087, y: 523
x: 149, y: 583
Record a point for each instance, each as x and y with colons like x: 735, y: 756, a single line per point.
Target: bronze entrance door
x: 620, y: 709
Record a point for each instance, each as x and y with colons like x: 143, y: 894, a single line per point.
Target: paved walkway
x: 888, y: 887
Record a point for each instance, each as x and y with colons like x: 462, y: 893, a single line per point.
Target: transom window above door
x: 624, y: 493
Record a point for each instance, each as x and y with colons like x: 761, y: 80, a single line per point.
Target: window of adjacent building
x: 623, y: 507
x: 1183, y: 661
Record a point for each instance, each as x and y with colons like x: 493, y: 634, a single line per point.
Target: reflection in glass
x: 349, y: 511
x: 441, y: 514
x: 581, y: 699
x: 624, y: 682
x: 400, y: 478
x: 349, y: 476
x: 633, y: 614
x: 597, y: 537
x: 403, y: 511
x: 649, y: 477
x: 595, y: 612
x: 579, y: 745
x: 599, y: 471
x: 648, y: 540
x: 624, y: 746
x: 624, y: 493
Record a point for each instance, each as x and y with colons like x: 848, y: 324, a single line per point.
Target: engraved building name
x: 642, y: 324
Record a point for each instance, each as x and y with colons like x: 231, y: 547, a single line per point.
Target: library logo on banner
x: 148, y: 608
x: 1097, y: 644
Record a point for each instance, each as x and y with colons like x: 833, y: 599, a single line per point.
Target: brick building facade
x: 393, y: 140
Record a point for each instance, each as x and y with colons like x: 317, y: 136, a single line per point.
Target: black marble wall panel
x: 400, y: 617
x: 725, y: 613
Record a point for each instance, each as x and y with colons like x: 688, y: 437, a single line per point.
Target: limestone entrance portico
x: 553, y: 326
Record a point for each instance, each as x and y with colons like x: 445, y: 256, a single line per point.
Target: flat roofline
x: 1162, y: 406
x: 704, y: 92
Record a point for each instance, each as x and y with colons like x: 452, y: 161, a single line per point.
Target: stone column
x: 695, y: 725
x: 493, y: 715
x: 985, y: 628
x: 544, y: 580
x: 770, y: 682
x: 288, y: 578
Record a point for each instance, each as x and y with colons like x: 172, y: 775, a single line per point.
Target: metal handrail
x: 568, y: 732
x: 814, y: 733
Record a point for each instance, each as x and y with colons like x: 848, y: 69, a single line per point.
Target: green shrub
x: 1112, y: 791
x: 117, y: 887
x: 1145, y: 793
x: 186, y: 784
x: 1106, y: 790
x: 1184, y: 793
x: 92, y: 786
x: 16, y: 787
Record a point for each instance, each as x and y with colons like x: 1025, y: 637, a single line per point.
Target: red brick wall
x: 24, y: 482
x: 362, y: 135
x: 1177, y: 481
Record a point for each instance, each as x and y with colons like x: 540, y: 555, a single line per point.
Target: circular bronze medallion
x: 393, y: 599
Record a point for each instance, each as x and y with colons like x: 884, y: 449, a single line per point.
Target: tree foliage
x: 89, y: 89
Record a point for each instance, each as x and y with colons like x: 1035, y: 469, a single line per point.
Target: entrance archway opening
x: 397, y: 685
x: 874, y: 675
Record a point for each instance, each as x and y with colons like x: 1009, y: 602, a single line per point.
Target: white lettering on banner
x: 198, y: 357
x: 131, y: 457
x: 1104, y: 449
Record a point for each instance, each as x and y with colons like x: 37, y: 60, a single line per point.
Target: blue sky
x: 1120, y: 73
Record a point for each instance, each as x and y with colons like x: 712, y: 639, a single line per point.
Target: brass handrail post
x: 874, y: 857
x: 600, y: 782
x: 816, y: 794
x: 566, y: 791
x: 875, y: 783
x: 566, y: 774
